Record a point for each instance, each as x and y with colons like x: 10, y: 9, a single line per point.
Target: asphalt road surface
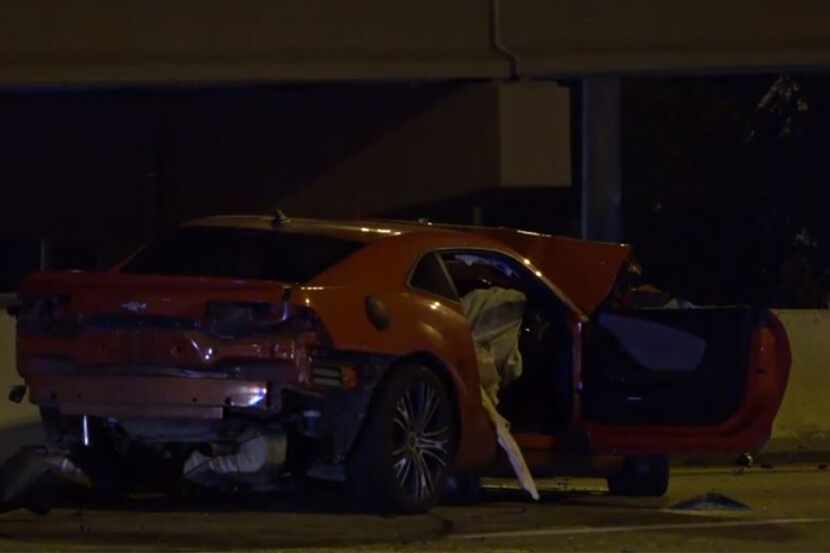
x: 784, y: 509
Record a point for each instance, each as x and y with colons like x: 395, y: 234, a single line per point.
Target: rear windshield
x: 242, y: 253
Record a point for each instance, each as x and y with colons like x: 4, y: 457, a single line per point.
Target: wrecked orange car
x: 252, y: 349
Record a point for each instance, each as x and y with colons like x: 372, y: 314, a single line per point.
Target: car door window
x: 429, y: 275
x: 540, y: 398
x: 480, y: 269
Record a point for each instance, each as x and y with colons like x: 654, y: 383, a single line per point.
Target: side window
x: 473, y: 270
x: 431, y: 277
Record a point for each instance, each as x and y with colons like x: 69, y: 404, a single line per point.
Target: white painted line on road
x: 563, y: 531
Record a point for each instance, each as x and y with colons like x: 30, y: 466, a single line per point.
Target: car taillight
x: 294, y: 349
x: 43, y: 314
x: 230, y: 319
x: 287, y: 348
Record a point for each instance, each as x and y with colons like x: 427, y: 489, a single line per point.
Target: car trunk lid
x: 74, y: 321
x: 90, y: 294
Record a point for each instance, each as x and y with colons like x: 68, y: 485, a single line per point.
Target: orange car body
x: 92, y: 370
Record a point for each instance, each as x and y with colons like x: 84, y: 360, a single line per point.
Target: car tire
x: 403, y: 454
x: 645, y: 476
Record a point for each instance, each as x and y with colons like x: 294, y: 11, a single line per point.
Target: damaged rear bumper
x: 325, y: 401
x: 148, y: 396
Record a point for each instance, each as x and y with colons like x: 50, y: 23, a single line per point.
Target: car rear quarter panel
x: 420, y: 323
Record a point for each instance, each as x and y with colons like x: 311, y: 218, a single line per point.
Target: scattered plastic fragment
x: 30, y: 479
x: 711, y: 501
x: 744, y: 460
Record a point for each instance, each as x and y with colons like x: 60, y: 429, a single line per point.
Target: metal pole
x: 602, y: 217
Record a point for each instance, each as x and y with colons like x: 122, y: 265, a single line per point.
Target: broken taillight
x: 44, y: 314
x: 233, y: 319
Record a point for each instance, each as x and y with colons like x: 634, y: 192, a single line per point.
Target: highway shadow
x: 295, y: 519
x: 319, y: 515
x: 310, y: 497
x: 569, y: 495
x: 301, y: 499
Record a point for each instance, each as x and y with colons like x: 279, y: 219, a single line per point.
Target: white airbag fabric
x: 495, y: 315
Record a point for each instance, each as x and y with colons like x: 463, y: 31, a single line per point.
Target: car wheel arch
x: 438, y: 367
x: 366, y: 455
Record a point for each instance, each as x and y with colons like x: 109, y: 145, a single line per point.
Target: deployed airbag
x: 495, y: 315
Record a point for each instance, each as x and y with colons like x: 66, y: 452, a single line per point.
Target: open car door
x: 681, y: 380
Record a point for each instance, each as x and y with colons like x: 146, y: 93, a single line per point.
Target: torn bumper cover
x: 30, y: 478
x: 257, y: 463
x: 230, y: 426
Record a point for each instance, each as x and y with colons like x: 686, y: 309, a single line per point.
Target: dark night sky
x: 717, y: 189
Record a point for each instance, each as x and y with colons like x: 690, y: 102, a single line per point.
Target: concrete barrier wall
x: 19, y: 422
x: 803, y: 424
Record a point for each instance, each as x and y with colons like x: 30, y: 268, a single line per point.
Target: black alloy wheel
x: 401, y: 461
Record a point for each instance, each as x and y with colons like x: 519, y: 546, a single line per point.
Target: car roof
x: 365, y: 231
x: 582, y: 271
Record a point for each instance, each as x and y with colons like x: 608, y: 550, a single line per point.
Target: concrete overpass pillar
x: 476, y: 138
x: 601, y: 168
